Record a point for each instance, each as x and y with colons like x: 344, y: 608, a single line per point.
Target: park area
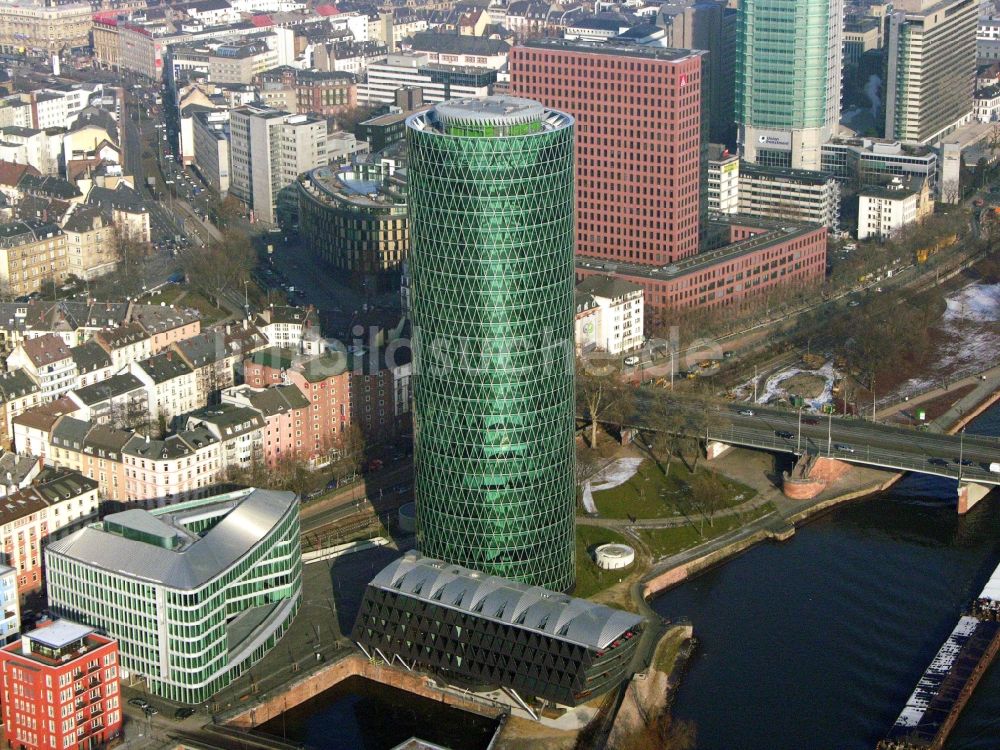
x: 635, y: 488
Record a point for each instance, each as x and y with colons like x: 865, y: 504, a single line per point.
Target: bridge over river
x: 964, y: 458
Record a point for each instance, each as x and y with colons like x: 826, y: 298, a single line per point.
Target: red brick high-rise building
x: 60, y: 689
x: 638, y: 142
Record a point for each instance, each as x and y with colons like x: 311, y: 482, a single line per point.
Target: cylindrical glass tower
x: 490, y: 195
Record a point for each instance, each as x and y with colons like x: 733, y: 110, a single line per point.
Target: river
x: 818, y: 642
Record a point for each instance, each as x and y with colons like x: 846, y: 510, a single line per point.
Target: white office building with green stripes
x: 195, y: 593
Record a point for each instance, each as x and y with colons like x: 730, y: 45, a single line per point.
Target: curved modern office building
x: 789, y: 57
x: 195, y: 593
x: 491, y: 294
x: 354, y: 219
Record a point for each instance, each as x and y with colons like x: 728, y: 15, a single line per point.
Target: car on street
x: 150, y: 710
x: 746, y: 412
x: 631, y: 361
x: 785, y: 434
x: 964, y: 461
x: 138, y: 703
x: 843, y: 448
x: 183, y: 712
x: 937, y: 461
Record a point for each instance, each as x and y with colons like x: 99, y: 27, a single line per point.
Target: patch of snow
x: 614, y: 474
x: 772, y: 389
x: 979, y: 303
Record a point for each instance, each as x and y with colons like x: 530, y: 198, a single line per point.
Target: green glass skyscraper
x: 788, y: 69
x: 490, y: 196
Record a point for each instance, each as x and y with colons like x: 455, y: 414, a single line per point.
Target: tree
x: 600, y: 394
x: 227, y: 210
x: 131, y: 252
x: 220, y: 267
x: 708, y: 493
x: 662, y: 732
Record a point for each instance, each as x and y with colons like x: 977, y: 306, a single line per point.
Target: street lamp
x: 961, y: 453
x: 798, y: 435
x: 829, y: 433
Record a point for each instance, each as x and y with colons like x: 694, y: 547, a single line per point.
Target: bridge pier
x: 970, y: 493
x: 715, y: 448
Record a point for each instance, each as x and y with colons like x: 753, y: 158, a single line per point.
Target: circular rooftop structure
x: 492, y: 116
x: 614, y: 556
x: 408, y: 518
x: 498, y: 111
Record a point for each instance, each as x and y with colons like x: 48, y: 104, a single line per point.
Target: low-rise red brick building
x: 60, y: 688
x: 761, y: 254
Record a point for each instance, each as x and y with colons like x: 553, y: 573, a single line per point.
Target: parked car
x: 631, y: 361
x: 184, y: 712
x: 746, y: 412
x: 150, y: 710
x: 138, y: 703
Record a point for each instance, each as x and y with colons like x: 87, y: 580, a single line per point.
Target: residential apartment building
x: 930, y: 68
x: 178, y: 467
x: 211, y: 569
x: 94, y: 450
x: 796, y: 194
x: 18, y: 392
x: 57, y: 502
x: 31, y: 253
x: 287, y: 433
x: 286, y: 327
x: 10, y: 609
x: 883, y: 211
x: 60, y: 688
x: 239, y: 430
x: 120, y: 400
x: 613, y: 319
x: 49, y: 361
x: 269, y: 149
x: 170, y: 383
x: 625, y: 151
x: 91, y: 243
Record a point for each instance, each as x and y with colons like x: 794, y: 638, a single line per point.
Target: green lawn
x: 209, y: 312
x: 650, y: 494
x: 167, y: 294
x: 671, y: 541
x: 589, y: 578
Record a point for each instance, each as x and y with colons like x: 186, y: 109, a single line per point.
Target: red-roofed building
x: 327, y: 10
x: 262, y: 20
x: 11, y: 175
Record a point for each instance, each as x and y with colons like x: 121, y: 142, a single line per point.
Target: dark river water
x: 818, y: 642
x: 358, y: 714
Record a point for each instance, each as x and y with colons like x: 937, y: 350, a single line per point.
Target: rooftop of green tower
x: 489, y: 117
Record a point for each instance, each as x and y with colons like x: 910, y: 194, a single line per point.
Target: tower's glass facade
x: 788, y: 71
x: 491, y: 266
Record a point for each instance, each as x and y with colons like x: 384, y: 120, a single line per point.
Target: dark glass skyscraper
x: 491, y: 266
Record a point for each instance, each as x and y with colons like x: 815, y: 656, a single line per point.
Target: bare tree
x: 600, y: 394
x: 220, y: 267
